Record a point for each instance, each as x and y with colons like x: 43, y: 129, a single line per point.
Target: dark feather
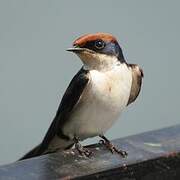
x: 69, y: 100
x: 137, y: 75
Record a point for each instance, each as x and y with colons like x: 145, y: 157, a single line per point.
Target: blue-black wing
x: 69, y: 100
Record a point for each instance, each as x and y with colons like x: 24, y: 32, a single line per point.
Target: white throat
x: 97, y: 61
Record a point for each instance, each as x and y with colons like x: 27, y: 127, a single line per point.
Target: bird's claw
x: 87, y: 152
x: 121, y: 152
x: 113, y: 148
x: 102, y: 142
x: 83, y: 151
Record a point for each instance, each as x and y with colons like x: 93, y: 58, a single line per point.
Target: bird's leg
x: 82, y: 151
x: 111, y: 147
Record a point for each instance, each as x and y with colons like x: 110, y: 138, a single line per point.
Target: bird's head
x: 97, y: 51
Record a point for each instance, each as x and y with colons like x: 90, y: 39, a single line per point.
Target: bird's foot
x: 111, y: 147
x: 82, y: 150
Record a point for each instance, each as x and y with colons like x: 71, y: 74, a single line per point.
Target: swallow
x: 95, y: 98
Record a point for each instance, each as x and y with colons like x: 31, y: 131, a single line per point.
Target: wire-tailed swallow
x: 104, y: 86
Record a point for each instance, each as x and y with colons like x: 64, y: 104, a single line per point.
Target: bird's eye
x: 99, y: 44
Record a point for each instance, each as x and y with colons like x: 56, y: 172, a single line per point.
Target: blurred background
x: 35, y: 69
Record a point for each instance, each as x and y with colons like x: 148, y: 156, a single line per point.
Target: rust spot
x: 171, y: 154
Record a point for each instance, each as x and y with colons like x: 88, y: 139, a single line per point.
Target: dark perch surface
x: 152, y: 155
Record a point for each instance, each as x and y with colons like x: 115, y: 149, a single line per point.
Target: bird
x: 95, y: 98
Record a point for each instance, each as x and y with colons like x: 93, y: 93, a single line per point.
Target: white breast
x: 102, y: 102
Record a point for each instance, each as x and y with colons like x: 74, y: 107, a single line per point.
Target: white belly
x: 102, y: 102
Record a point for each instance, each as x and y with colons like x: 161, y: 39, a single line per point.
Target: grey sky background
x: 35, y: 69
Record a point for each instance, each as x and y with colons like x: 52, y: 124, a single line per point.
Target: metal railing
x: 153, y: 155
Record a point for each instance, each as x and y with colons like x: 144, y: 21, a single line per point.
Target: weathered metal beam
x: 152, y: 155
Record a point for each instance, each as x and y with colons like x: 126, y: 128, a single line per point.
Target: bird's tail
x: 33, y: 153
x: 56, y: 144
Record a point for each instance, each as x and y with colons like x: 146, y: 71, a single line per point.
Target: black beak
x: 75, y: 49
